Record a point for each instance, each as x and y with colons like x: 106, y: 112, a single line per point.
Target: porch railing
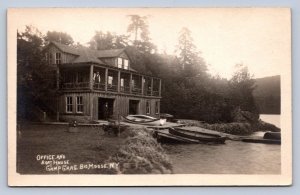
x: 99, y: 86
x: 155, y: 93
x: 125, y: 89
x: 111, y: 87
x: 81, y: 85
x: 136, y: 91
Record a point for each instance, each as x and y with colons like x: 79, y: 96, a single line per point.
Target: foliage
x: 59, y: 37
x: 141, y: 154
x: 33, y: 78
x: 242, y: 86
x: 101, y: 41
x: 139, y: 29
x: 189, y: 58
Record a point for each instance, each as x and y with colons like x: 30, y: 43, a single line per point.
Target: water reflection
x: 231, y: 158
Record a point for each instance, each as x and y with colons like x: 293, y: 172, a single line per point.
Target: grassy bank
x: 88, y: 151
x: 235, y: 128
x: 141, y: 154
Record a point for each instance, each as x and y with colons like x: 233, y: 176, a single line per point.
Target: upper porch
x: 106, y: 79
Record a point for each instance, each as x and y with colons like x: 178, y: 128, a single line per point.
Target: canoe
x: 261, y: 140
x: 165, y: 137
x: 144, y: 120
x: 204, y: 138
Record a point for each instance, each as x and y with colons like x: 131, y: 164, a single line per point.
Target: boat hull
x: 204, y: 138
x: 154, y: 122
x: 165, y: 137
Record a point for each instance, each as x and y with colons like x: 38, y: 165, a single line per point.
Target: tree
x: 60, y: 37
x: 191, y: 62
x: 33, y: 84
x: 242, y: 85
x: 108, y: 40
x: 139, y: 29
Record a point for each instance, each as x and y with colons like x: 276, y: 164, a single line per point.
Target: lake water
x: 233, y: 157
x: 271, y: 118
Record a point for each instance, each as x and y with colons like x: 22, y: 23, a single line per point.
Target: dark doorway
x: 134, y: 106
x: 105, y: 108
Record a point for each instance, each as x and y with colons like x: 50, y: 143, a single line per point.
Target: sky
x: 258, y: 38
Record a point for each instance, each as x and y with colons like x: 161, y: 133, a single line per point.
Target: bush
x: 141, y: 154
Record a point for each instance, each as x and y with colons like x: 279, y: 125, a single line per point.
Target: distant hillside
x: 267, y: 94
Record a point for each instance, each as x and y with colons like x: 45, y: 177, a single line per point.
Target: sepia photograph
x: 149, y: 96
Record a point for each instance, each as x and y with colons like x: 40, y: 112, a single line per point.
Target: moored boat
x: 144, y: 120
x: 203, y: 138
x: 166, y: 137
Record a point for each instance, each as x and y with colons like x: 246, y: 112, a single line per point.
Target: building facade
x: 97, y: 84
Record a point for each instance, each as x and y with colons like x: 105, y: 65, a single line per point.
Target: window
x: 120, y: 63
x: 58, y: 58
x: 79, y: 103
x: 157, y: 107
x: 110, y: 80
x: 122, y: 82
x: 148, y: 107
x: 49, y: 58
x: 69, y: 104
x: 125, y: 64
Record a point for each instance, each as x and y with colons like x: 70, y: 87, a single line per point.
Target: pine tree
x: 191, y: 62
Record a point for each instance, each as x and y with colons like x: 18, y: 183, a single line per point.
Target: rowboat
x: 144, y: 120
x: 201, y: 137
x: 166, y: 137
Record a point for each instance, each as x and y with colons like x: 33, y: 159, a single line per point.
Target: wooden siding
x: 90, y: 104
x: 65, y: 57
x: 86, y: 103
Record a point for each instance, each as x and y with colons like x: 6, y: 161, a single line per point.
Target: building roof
x: 85, y: 54
x: 66, y: 48
x: 109, y: 53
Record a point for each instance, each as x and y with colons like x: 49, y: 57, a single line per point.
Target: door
x: 134, y: 106
x: 105, y: 108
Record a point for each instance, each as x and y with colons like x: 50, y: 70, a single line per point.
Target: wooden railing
x: 136, y: 91
x: 125, y: 89
x: 81, y: 85
x: 112, y: 87
x: 155, y: 93
x: 99, y: 86
x: 147, y: 92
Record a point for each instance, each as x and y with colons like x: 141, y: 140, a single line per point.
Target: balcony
x: 81, y: 85
x: 110, y: 80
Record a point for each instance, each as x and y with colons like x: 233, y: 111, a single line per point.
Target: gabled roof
x: 66, y: 48
x: 109, y: 53
x: 87, y: 55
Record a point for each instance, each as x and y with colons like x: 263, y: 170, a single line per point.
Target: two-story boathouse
x: 92, y: 83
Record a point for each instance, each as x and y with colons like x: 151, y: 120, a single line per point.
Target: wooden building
x: 95, y: 83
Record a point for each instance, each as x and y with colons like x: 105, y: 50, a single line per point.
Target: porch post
x: 106, y: 76
x: 160, y: 87
x: 130, y: 83
x: 91, y: 76
x: 57, y: 78
x: 151, y: 86
x: 143, y: 84
x: 119, y: 79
